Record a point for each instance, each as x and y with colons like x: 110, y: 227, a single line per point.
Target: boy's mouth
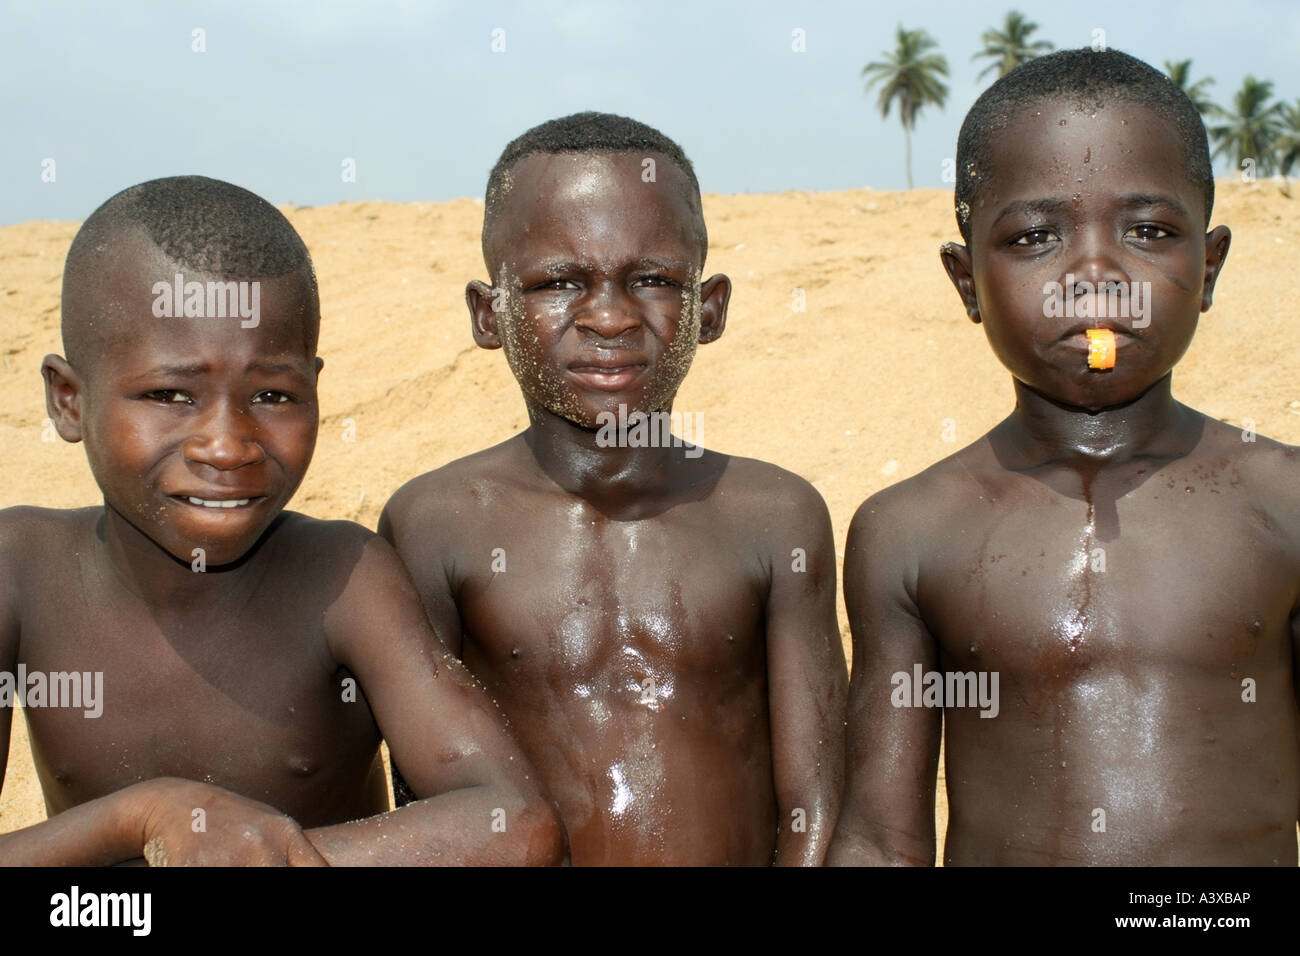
x: 1080, y: 340
x: 1077, y: 335
x: 216, y: 503
x: 608, y: 376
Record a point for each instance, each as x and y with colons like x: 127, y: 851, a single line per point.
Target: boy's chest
x: 585, y: 600
x: 247, y: 702
x: 1154, y: 581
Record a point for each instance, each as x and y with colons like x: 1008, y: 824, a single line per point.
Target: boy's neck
x: 161, y: 581
x: 611, y: 478
x: 1042, y: 431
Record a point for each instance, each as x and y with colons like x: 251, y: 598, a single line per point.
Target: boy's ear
x: 957, y: 263
x: 485, y: 304
x: 1217, y: 241
x: 715, y: 293
x: 63, y: 388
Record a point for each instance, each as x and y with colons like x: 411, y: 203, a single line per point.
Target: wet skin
x: 679, y: 687
x: 1120, y: 560
x: 236, y: 676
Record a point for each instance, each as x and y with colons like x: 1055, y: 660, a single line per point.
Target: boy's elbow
x: 530, y: 830
x: 865, y: 844
x: 541, y: 836
x: 850, y: 852
x: 528, y: 819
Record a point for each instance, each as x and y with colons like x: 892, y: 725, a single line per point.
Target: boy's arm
x: 9, y: 618
x: 806, y: 678
x: 402, y: 525
x: 483, y: 804
x: 893, y: 752
x: 98, y: 833
x: 154, y: 820
x: 1295, y: 671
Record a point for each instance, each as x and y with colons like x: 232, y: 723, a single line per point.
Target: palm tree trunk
x: 907, y: 148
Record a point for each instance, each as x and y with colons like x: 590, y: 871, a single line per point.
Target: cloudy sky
x: 415, y: 94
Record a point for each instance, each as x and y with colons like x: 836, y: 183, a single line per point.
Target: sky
x: 417, y: 99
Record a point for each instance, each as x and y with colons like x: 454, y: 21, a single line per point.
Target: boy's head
x: 1084, y: 193
x: 589, y: 134
x: 595, y: 241
x: 1089, y: 80
x: 190, y: 321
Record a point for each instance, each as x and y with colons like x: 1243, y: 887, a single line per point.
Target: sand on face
x: 857, y: 391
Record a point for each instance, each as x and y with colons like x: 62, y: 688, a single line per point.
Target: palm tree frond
x: 908, y: 76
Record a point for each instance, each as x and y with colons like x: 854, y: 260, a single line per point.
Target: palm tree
x: 1288, y: 141
x: 1251, y: 129
x: 909, y: 75
x: 1181, y: 74
x: 1010, y: 46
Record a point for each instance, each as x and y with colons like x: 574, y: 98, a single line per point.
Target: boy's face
x: 599, y: 300
x: 179, y: 409
x: 1074, y: 201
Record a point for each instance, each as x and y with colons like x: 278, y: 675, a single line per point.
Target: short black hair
x: 588, y: 132
x: 206, y: 225
x: 1091, y: 78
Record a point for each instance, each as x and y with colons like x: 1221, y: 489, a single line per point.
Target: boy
x: 242, y: 660
x: 1113, y: 575
x: 656, y: 620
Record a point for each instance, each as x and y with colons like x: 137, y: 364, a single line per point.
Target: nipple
x: 1101, y: 349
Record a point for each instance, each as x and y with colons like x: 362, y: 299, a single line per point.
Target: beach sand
x: 852, y: 393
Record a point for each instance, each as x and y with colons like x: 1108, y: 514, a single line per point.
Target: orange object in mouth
x: 1101, y: 348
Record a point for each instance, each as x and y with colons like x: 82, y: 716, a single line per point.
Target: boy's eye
x: 654, y: 280
x: 169, y: 396
x: 1149, y: 230
x: 1034, y: 237
x: 554, y: 285
x: 271, y: 397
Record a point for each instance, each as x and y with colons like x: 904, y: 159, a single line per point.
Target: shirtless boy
x: 248, y: 659
x: 1127, y: 567
x: 658, y: 623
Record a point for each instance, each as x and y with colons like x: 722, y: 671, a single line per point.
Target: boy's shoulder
x: 905, y: 509
x: 338, y: 569
x: 295, y: 529
x: 766, y: 488
x: 1225, y: 440
x: 38, y: 547
x: 1268, y: 470
x: 28, y: 533
x: 19, y: 519
x: 30, y: 537
x: 329, y: 551
x: 480, y: 476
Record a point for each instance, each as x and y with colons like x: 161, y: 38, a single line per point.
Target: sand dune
x: 852, y: 393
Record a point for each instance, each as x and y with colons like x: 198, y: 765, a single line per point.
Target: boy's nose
x: 226, y: 438
x: 1095, y: 262
x: 607, y: 313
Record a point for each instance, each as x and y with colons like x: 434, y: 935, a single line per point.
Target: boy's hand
x: 195, y: 824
